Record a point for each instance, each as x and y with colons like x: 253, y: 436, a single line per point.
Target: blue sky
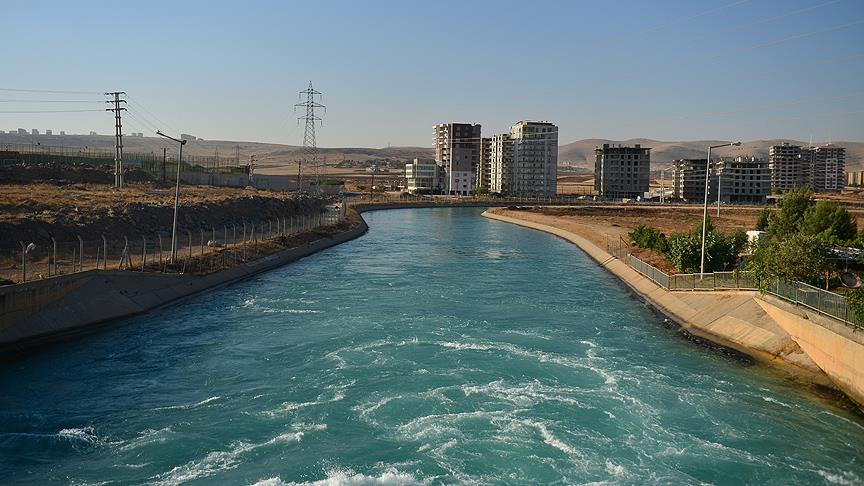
x: 389, y: 70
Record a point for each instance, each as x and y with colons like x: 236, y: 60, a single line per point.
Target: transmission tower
x: 118, y: 136
x: 308, y: 165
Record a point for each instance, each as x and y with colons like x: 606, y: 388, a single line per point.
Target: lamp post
x: 705, y: 206
x: 176, y: 196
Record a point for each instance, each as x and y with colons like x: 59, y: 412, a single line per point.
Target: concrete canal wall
x: 49, y: 310
x: 801, y: 343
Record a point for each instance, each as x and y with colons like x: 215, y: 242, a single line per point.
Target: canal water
x: 440, y: 348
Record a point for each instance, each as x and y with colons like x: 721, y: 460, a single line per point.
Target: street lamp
x: 176, y: 196
x: 705, y: 207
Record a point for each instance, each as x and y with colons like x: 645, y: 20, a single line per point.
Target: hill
x: 576, y: 154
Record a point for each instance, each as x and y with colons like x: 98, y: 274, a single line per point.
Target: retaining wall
x: 48, y: 310
x: 808, y: 346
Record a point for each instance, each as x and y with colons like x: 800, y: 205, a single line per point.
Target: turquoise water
x: 441, y: 347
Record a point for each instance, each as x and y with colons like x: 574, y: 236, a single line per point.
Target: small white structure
x: 753, y: 237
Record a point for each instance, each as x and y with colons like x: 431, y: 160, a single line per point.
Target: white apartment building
x: 524, y: 162
x: 422, y: 177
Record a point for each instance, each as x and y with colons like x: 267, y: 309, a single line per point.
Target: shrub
x: 647, y: 237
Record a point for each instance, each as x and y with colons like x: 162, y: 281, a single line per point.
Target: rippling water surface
x: 440, y: 348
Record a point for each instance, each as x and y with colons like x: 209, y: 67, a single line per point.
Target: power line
x: 48, y: 111
x: 50, y: 91
x: 770, y: 19
x: 47, y: 101
x: 782, y: 40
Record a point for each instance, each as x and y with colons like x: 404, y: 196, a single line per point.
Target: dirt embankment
x: 601, y: 223
x: 36, y: 212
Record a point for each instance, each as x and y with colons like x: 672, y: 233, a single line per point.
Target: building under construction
x: 820, y: 168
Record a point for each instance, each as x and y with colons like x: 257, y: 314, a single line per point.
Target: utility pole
x: 118, y: 135
x: 164, y: 160
x: 310, y: 147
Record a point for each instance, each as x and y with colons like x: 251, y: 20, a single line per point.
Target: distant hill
x: 581, y: 153
x: 265, y: 153
x: 577, y: 154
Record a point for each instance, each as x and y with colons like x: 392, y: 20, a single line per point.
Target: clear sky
x: 389, y: 70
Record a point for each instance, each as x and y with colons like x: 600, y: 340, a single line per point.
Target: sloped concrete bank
x: 801, y: 344
x: 39, y: 312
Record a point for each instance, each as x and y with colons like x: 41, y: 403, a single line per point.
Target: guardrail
x: 799, y: 293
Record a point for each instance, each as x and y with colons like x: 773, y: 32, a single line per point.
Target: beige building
x: 524, y: 162
x: 621, y: 172
x: 855, y: 178
x: 457, y: 151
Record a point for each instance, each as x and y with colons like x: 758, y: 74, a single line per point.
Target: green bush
x: 799, y: 257
x: 684, y: 252
x: 647, y: 237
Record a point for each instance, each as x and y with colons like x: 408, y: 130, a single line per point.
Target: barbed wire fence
x: 199, y: 251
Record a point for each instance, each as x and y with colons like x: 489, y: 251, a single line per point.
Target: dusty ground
x: 612, y: 222
x: 36, y: 212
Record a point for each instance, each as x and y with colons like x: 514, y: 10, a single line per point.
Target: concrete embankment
x: 800, y: 343
x: 38, y: 312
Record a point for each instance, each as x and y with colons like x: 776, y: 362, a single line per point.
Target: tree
x: 764, y: 220
x: 791, y: 208
x: 829, y: 221
x: 800, y: 257
x: 648, y: 237
x: 684, y: 251
x: 480, y: 191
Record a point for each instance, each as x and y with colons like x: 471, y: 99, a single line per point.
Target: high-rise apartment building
x: 524, y: 162
x: 788, y: 169
x: 621, y: 172
x: 688, y: 180
x: 484, y: 168
x: 818, y: 168
x: 500, y: 163
x: 457, y: 150
x: 743, y: 180
x: 826, y: 164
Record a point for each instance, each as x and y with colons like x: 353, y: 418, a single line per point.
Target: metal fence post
x: 189, y: 234
x: 143, y: 253
x: 202, y: 241
x: 23, y: 262
x: 104, y: 253
x: 80, y: 253
x: 161, y: 264
x: 54, y: 249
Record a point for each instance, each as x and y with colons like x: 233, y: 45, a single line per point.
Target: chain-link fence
x: 822, y: 301
x: 196, y: 251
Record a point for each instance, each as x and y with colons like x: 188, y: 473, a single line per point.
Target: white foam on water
x: 191, y: 406
x: 615, y: 469
x: 390, y: 477
x: 218, y: 461
x: 524, y: 395
x: 778, y: 402
x: 844, y: 478
x: 149, y: 436
x: 82, y: 434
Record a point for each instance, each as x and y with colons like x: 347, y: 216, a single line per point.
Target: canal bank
x: 804, y: 346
